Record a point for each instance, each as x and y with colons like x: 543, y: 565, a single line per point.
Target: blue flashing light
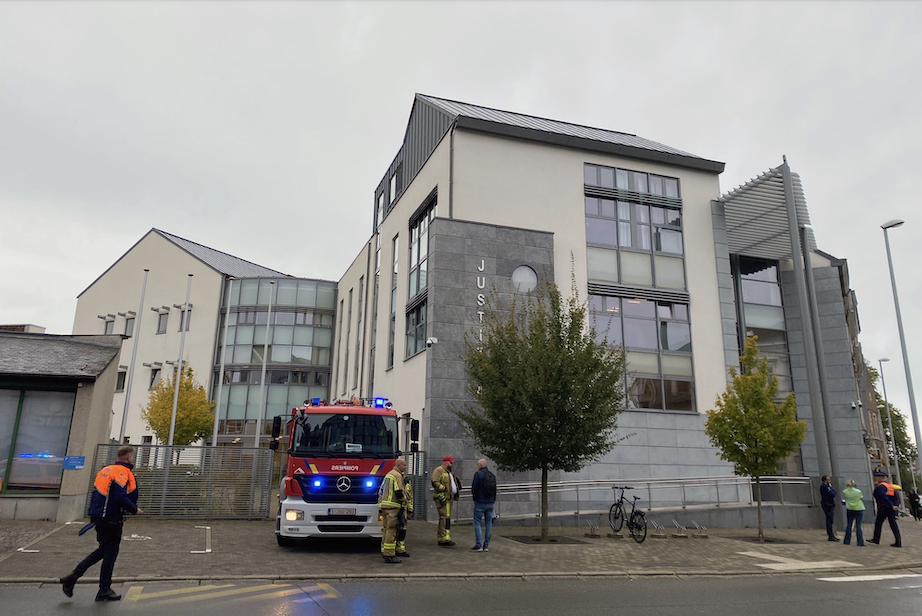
x: 315, y: 401
x: 317, y: 483
x: 369, y: 483
x: 380, y: 402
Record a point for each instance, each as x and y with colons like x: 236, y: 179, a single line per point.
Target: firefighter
x: 443, y: 491
x: 391, y: 500
x: 406, y: 511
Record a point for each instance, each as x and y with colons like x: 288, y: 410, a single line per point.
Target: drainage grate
x: 553, y: 540
x: 755, y: 539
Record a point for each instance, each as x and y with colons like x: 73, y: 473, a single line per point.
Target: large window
x: 657, y: 340
x: 419, y: 250
x: 763, y: 314
x: 416, y: 329
x: 633, y: 239
x: 34, y: 428
x: 395, y: 247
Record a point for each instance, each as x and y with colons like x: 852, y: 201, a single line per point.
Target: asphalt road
x: 898, y: 593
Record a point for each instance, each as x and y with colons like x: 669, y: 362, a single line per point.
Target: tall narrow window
x: 129, y: 327
x: 162, y: 319
x: 359, y: 334
x: 393, y: 329
x: 419, y: 249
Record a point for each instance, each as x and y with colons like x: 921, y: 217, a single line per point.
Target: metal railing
x: 198, y: 482
x: 523, y: 500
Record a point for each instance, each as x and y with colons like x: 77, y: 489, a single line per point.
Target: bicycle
x: 636, y: 520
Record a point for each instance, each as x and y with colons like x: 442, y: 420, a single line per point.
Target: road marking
x: 221, y: 594
x: 870, y: 578
x: 328, y: 593
x: 135, y: 537
x: 207, y: 549
x: 791, y: 564
x: 25, y: 551
x: 135, y: 592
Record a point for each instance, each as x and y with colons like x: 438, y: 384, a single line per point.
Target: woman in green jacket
x: 854, y: 510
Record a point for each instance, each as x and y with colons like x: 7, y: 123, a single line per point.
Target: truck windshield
x: 344, y: 435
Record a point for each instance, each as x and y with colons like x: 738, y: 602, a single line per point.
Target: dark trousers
x: 109, y: 536
x: 830, y: 511
x: 889, y: 514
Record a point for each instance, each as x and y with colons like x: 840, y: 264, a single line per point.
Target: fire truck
x: 338, y: 455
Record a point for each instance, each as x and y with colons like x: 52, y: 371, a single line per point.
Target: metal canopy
x: 757, y: 218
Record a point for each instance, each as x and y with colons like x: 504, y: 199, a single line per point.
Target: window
x: 110, y: 327
x: 416, y: 330
x: 395, y: 246
x: 120, y: 381
x: 34, y: 428
x: 185, y: 317
x: 129, y: 327
x: 393, y: 188
x: 630, y: 241
x: 419, y: 250
x: 358, y: 332
x: 656, y: 337
x: 162, y: 319
x: 154, y: 377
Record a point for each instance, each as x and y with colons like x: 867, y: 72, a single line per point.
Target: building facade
x: 480, y: 201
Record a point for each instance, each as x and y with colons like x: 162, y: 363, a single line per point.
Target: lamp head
x: 892, y: 224
x: 884, y: 359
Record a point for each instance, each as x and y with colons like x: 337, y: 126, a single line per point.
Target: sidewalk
x: 163, y: 550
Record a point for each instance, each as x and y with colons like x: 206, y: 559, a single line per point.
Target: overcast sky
x: 261, y: 129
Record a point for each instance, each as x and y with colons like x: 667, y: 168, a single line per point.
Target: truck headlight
x: 294, y: 515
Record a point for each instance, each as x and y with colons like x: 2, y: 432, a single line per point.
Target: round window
x: 524, y: 279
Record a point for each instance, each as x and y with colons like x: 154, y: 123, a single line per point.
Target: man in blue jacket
x: 483, y: 489
x: 887, y: 506
x: 828, y: 502
x: 114, y: 492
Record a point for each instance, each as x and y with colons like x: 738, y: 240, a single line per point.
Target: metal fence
x: 523, y: 500
x: 198, y: 482
x: 418, y: 478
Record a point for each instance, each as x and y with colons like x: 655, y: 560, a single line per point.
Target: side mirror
x: 414, y: 430
x: 276, y: 428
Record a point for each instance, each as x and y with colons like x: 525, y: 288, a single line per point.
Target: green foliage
x: 751, y: 430
x: 547, y: 394
x: 905, y: 449
x: 194, y: 412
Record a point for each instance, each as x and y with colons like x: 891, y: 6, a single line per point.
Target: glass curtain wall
x: 297, y: 346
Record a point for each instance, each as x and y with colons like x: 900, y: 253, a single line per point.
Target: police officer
x: 887, y: 506
x: 114, y: 492
x: 391, y: 500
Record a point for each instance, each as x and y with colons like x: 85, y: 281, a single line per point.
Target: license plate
x: 341, y: 511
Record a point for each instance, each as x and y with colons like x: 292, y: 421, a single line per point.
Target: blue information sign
x: 74, y: 463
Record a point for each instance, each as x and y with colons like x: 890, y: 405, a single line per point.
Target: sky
x: 262, y: 128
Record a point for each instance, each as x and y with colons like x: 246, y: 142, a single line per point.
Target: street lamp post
x: 892, y: 224
x: 896, y: 456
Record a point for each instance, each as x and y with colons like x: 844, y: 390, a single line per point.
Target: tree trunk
x: 759, y: 507
x: 545, y: 538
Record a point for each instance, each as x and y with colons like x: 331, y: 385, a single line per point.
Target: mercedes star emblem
x: 343, y: 484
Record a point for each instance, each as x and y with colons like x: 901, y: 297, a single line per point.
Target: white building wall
x: 119, y: 290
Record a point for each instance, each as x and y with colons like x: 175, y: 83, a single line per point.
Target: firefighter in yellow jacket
x: 405, y: 512
x: 391, y: 500
x: 443, y: 492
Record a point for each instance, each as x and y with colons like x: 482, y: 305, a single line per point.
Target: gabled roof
x: 757, y: 216
x: 566, y: 134
x: 77, y: 357
x: 221, y: 262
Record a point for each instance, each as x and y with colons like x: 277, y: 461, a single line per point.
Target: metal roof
x: 80, y: 357
x: 221, y: 261
x: 757, y: 217
x: 579, y: 136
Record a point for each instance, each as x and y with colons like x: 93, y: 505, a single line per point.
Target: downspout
x: 451, y: 169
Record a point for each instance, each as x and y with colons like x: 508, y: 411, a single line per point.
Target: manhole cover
x: 755, y: 539
x: 554, y: 540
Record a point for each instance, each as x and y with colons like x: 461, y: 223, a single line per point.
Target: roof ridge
x: 171, y: 237
x: 526, y: 115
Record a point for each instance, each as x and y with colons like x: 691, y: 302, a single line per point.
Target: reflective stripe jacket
x: 885, y: 495
x: 391, y: 494
x: 441, y: 484
x: 114, y: 491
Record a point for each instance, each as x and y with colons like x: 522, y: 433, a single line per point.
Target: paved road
x: 530, y: 596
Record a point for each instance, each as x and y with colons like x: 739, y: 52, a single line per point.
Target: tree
x: 194, y: 412
x: 547, y: 393
x: 751, y: 430
x: 905, y: 449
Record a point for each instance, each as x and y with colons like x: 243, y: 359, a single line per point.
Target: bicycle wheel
x: 638, y: 526
x: 615, y: 517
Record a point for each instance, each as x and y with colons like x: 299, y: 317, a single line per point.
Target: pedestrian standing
x: 828, y: 502
x: 483, y: 489
x: 391, y: 499
x: 913, y: 498
x: 887, y: 506
x: 443, y: 491
x: 115, y: 492
x: 854, y: 511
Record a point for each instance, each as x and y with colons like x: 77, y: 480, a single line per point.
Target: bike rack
x: 594, y: 528
x: 658, y: 531
x: 681, y: 532
x: 702, y: 532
